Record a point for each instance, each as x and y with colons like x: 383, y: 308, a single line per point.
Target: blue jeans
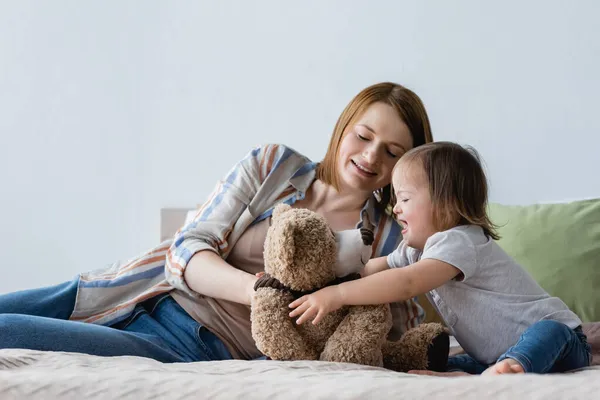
x: 158, y: 328
x: 545, y: 347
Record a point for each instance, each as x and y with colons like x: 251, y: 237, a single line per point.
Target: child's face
x: 413, y: 208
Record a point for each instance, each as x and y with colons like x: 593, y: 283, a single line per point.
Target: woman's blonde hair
x: 457, y: 185
x: 410, y: 109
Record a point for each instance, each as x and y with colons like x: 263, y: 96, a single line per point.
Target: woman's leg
x: 50, y: 334
x: 185, y: 336
x: 549, y: 346
x: 52, y: 302
x: 165, y: 333
x: 36, y: 319
x: 158, y: 328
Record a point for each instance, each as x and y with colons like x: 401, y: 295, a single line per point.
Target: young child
x: 502, y: 318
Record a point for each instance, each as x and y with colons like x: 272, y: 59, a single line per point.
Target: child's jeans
x: 546, y: 346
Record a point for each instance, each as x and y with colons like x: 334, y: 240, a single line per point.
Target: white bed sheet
x: 52, y: 375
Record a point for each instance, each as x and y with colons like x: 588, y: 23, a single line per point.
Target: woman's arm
x: 397, y: 284
x: 208, y: 274
x: 195, y: 261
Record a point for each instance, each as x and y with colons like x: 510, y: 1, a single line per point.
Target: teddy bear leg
x: 274, y: 331
x: 423, y: 347
x: 359, y: 337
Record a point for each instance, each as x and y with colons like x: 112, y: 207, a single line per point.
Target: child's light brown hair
x: 457, y: 185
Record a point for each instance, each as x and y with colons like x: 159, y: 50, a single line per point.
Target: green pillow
x: 559, y: 245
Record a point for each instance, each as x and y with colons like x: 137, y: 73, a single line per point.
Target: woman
x: 189, y: 298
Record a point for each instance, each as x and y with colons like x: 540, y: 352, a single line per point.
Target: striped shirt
x: 268, y: 175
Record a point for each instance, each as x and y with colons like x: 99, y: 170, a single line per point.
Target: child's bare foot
x: 506, y: 366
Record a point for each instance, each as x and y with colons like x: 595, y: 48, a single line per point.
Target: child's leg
x: 465, y: 363
x: 459, y: 365
x: 546, y: 346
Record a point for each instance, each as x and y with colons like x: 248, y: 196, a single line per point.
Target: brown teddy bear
x: 300, y: 255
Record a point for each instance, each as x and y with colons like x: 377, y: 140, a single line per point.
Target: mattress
x: 47, y: 375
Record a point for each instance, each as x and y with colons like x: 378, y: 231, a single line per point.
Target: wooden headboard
x: 171, y: 219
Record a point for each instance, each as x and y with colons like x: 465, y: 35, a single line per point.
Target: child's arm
x: 397, y: 284
x: 375, y: 265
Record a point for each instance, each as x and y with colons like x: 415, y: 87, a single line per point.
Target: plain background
x: 111, y: 110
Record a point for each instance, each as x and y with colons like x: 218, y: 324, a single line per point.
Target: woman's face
x: 370, y: 148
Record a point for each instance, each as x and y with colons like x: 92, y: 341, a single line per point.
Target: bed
x: 26, y: 374
x: 49, y: 375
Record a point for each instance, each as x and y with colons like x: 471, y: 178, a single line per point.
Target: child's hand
x: 317, y: 305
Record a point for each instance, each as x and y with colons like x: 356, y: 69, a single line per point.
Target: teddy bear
x: 300, y: 257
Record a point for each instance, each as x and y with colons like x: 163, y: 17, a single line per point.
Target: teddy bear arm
x: 274, y: 331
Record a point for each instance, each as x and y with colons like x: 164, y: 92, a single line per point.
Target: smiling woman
x: 379, y: 125
x: 188, y: 299
x: 371, y: 148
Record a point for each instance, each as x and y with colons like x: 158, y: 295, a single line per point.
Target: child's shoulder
x: 459, y: 236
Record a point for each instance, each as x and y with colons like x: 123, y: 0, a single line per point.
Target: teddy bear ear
x: 288, y: 251
x: 280, y: 209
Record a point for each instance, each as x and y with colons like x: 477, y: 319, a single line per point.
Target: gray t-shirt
x: 493, y: 302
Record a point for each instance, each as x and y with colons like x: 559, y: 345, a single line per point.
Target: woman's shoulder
x: 268, y: 157
x: 276, y: 151
x: 263, y: 160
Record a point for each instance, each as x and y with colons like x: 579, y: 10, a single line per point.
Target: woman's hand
x: 317, y: 305
x: 250, y: 289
